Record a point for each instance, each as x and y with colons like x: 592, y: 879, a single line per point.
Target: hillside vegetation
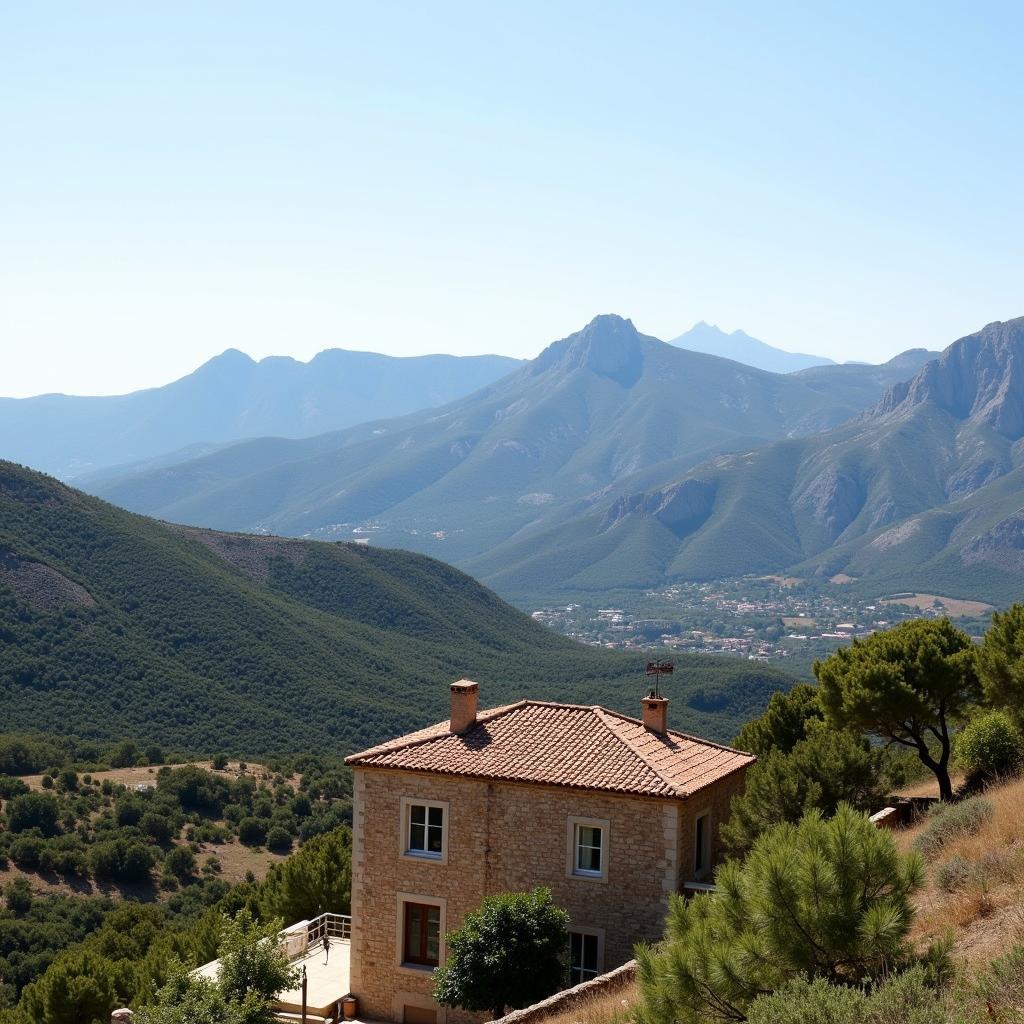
x: 113, y: 626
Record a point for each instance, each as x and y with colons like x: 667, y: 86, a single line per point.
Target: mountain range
x: 113, y: 626
x: 229, y: 398
x: 924, y: 490
x: 601, y: 414
x: 742, y: 348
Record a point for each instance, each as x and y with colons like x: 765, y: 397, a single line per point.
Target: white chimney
x: 464, y: 701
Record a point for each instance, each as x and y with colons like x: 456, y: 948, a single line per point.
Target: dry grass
x: 954, y: 607
x: 606, y: 1008
x: 986, y: 913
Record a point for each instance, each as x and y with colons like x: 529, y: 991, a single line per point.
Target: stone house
x: 611, y: 813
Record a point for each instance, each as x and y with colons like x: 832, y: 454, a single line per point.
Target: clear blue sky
x: 178, y: 178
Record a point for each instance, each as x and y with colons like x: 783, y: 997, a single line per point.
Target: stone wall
x: 715, y: 799
x: 504, y: 837
x: 561, y: 1002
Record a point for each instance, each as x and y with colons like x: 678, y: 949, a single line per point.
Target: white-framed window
x: 588, y: 848
x: 702, y: 844
x: 424, y: 829
x: 586, y: 954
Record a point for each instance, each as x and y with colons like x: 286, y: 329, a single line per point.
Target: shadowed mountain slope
x: 233, y: 397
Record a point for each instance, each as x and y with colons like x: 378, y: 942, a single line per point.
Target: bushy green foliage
x: 827, y: 768
x: 906, y: 999
x: 11, y: 787
x: 989, y: 747
x: 947, y: 821
x: 35, y: 811
x: 510, y: 952
x: 180, y: 863
x: 783, y: 723
x: 252, y: 972
x: 1001, y: 661
x: 821, y: 899
x: 316, y: 880
x: 908, y: 685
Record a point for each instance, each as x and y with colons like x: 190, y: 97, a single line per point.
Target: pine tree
x: 907, y: 685
x: 828, y: 899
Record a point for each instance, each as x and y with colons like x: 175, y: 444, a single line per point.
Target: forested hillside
x: 114, y: 625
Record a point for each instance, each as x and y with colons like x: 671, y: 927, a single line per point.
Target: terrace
x: 323, y: 973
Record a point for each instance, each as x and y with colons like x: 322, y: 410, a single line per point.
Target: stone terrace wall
x: 606, y: 984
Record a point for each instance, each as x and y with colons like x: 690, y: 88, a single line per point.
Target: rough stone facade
x: 510, y: 837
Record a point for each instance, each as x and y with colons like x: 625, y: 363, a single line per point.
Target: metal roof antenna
x: 658, y: 669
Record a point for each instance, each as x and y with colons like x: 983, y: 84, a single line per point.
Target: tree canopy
x: 828, y: 767
x: 908, y: 685
x: 511, y: 952
x: 1001, y: 661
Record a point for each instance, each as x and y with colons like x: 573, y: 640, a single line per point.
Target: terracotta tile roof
x: 562, y: 745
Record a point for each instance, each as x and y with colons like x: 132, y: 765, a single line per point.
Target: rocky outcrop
x: 1003, y: 545
x: 609, y: 346
x: 979, y: 378
x: 683, y: 508
x: 833, y: 499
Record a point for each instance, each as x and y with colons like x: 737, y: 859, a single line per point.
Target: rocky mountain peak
x: 609, y: 346
x: 979, y: 378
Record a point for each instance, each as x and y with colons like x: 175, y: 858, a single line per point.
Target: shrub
x: 220, y: 762
x: 252, y: 831
x: 181, y: 863
x: 26, y: 850
x: 154, y: 755
x: 125, y: 755
x: 279, y: 839
x: 953, y: 874
x: 122, y: 859
x: 990, y: 746
x: 67, y: 781
x: 18, y: 897
x: 11, y: 787
x: 907, y: 998
x: 47, y: 782
x: 33, y: 810
x: 946, y: 822
x: 157, y: 827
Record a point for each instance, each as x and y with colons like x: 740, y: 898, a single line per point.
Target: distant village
x: 763, y: 618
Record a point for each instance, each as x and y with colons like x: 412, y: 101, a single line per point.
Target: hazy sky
x: 178, y: 178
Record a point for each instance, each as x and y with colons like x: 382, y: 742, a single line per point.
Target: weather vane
x: 659, y: 669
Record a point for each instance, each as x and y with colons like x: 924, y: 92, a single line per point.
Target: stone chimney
x: 464, y: 700
x: 655, y: 713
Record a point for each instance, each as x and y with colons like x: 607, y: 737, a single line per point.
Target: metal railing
x: 334, y: 926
